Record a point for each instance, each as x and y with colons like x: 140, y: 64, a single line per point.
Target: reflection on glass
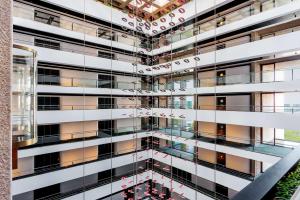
x: 23, y: 99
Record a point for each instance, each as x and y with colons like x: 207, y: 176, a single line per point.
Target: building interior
x: 152, y: 99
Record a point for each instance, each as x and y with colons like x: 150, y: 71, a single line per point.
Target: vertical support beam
x: 5, y: 95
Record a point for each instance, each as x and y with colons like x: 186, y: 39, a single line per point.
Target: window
x: 46, y: 18
x: 48, y: 76
x: 106, y: 34
x: 105, y: 81
x: 46, y: 191
x: 48, y: 133
x: 105, y: 103
x: 182, y: 174
x: 221, y: 46
x: 106, y: 54
x: 106, y: 126
x: 48, y: 103
x: 46, y: 160
x: 46, y: 44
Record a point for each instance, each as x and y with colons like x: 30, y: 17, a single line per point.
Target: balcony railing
x: 84, y: 50
x: 282, y: 75
x: 87, y: 82
x: 179, y: 179
x: 90, y: 107
x: 264, y: 187
x: 17, y: 174
x: 193, y: 158
x: 247, y: 144
x: 287, y: 108
x: 291, y: 109
x: 80, y: 25
x: 217, y: 46
x: 100, y: 182
x: 89, y: 135
x: 215, y: 22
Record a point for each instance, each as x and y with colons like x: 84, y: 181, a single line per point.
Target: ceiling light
x: 150, y: 9
x: 136, y: 3
x: 161, y: 3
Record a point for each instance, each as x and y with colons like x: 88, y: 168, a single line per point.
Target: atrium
x: 150, y: 99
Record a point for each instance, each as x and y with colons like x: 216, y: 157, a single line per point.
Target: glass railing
x: 100, y: 182
x: 282, y: 186
x: 181, y: 85
x: 219, y: 21
x: 23, y: 108
x: 178, y: 105
x: 63, y: 165
x: 254, y: 145
x: 78, y: 25
x: 279, y: 75
x: 88, y: 83
x: 81, y: 49
x: 188, y: 183
x: 287, y: 108
x: 66, y: 137
x: 193, y: 158
x: 194, y: 51
x: 89, y: 107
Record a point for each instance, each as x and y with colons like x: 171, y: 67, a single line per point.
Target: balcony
x: 38, y: 18
x: 241, y: 51
x: 53, y: 174
x: 266, y: 186
x: 242, y: 16
x: 86, y: 136
x: 219, y: 140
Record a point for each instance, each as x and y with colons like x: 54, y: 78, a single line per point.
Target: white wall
x: 25, y: 166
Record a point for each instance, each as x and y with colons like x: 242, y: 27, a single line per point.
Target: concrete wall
x: 5, y: 73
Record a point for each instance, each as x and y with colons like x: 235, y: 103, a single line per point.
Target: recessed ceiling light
x: 161, y: 3
x: 137, y: 3
x: 150, y: 9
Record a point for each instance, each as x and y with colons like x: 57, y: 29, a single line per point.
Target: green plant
x: 288, y: 185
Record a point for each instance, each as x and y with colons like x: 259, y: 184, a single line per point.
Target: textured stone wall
x: 5, y: 69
